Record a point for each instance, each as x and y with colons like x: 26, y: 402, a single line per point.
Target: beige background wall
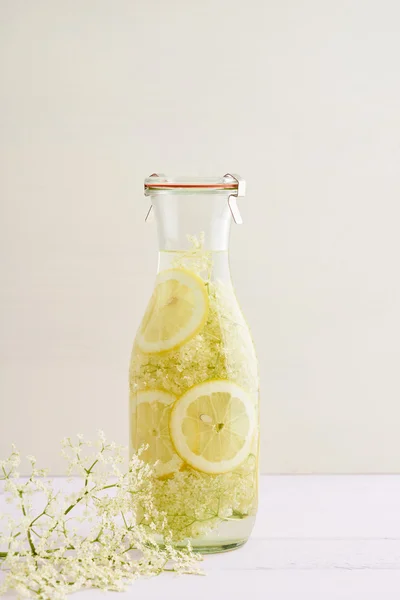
x: 302, y: 98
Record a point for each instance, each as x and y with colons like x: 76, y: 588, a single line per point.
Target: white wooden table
x: 317, y: 537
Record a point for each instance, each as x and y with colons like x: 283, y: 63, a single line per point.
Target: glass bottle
x: 193, y: 372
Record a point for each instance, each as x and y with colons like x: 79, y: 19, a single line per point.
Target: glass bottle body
x: 194, y: 380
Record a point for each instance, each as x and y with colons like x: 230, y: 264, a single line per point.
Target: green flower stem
x: 107, y: 487
x: 30, y: 541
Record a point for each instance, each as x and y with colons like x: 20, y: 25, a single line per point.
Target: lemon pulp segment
x: 150, y: 426
x: 177, y: 311
x: 212, y: 426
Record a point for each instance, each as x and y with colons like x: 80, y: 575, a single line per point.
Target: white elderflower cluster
x: 222, y: 350
x: 195, y: 503
x: 101, y: 536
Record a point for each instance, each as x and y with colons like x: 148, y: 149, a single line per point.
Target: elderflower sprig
x: 104, y: 535
x: 196, y: 258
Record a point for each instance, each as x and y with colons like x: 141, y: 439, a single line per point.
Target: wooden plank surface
x: 316, y: 537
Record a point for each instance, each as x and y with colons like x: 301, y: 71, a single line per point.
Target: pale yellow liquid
x: 216, y: 512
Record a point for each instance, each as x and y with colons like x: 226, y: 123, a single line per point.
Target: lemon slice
x: 212, y: 426
x: 177, y: 311
x: 150, y: 418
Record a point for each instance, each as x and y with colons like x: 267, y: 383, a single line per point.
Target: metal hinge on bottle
x: 240, y: 192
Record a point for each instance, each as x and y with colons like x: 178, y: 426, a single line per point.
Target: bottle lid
x: 162, y: 182
x: 234, y: 184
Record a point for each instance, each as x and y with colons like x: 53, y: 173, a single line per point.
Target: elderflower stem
x: 31, y: 544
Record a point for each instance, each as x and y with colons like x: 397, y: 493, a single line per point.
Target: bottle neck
x: 192, y: 221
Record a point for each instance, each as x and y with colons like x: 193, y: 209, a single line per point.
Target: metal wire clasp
x: 240, y: 192
x: 150, y: 213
